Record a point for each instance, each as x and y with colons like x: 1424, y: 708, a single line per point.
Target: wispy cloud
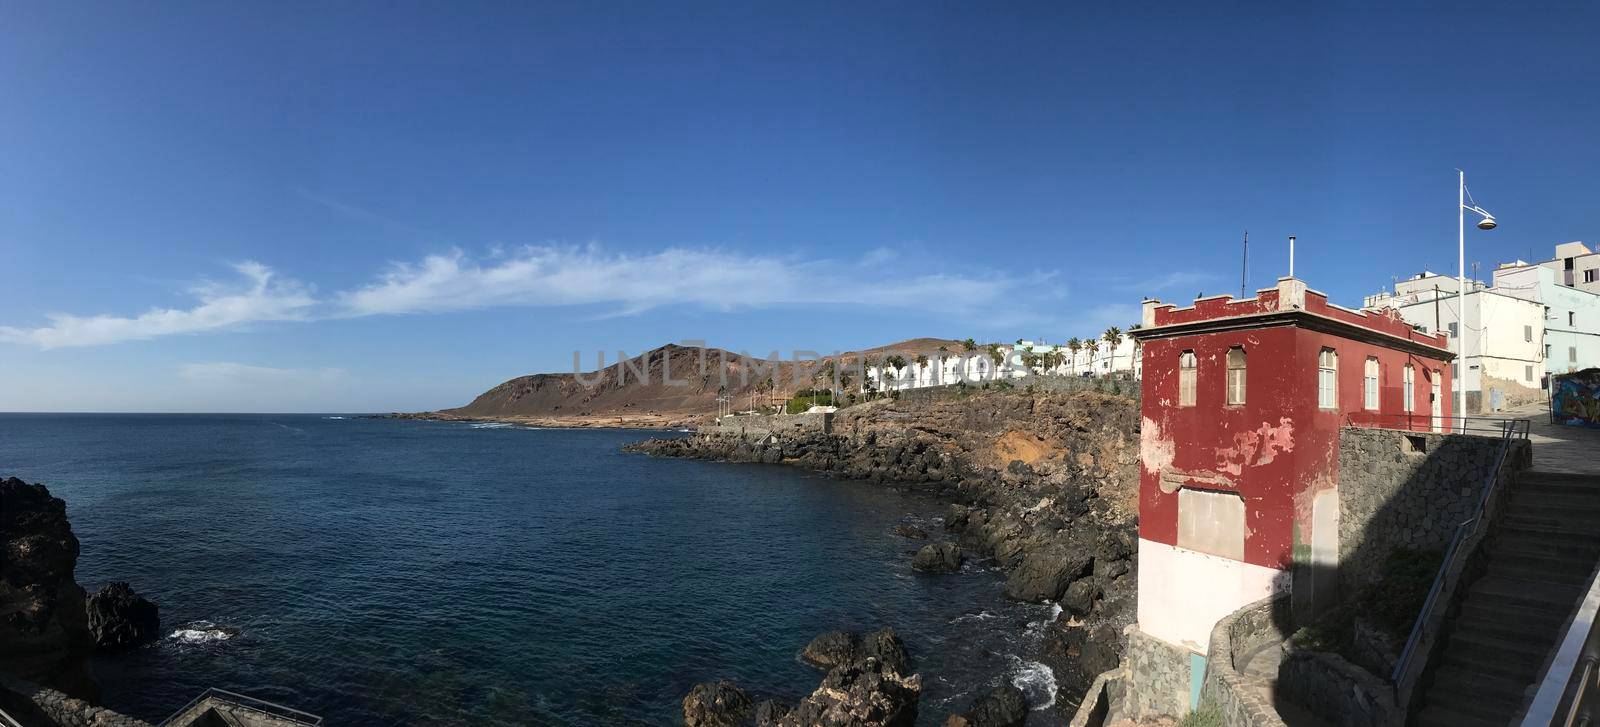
x: 559, y: 276
x: 552, y: 276
x: 262, y: 297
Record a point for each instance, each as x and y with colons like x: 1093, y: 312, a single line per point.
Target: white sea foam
x: 979, y: 616
x: 202, y: 632
x: 489, y: 425
x: 333, y: 417
x: 1037, y: 682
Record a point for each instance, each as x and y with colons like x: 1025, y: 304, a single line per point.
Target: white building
x: 1017, y: 361
x: 1531, y: 322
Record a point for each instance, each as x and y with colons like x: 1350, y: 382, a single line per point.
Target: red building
x: 1239, y: 450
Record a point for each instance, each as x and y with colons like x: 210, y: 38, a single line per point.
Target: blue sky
x: 375, y: 207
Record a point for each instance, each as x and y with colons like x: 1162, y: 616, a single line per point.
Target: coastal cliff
x: 48, y: 624
x: 44, y: 627
x: 667, y: 387
x: 1044, y: 484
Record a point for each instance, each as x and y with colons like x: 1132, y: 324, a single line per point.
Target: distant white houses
x: 1011, y: 361
x: 1533, y: 320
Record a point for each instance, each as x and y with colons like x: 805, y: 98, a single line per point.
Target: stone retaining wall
x: 1159, y: 678
x: 1342, y: 693
x: 1241, y: 704
x: 37, y: 706
x: 1396, y: 495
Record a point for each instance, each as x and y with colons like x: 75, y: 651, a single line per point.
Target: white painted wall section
x: 1183, y: 593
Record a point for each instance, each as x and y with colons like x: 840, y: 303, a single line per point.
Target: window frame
x: 1242, y: 369
x: 1328, y: 379
x: 1188, y: 378
x: 1371, y: 378
x: 1409, y: 381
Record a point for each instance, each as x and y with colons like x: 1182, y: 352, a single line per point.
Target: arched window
x: 1186, y: 378
x: 1327, y: 379
x: 1370, y: 383
x: 1236, y: 376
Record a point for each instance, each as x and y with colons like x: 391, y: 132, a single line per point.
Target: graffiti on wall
x: 1575, y: 398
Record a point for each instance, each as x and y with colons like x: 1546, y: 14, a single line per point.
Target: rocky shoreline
x: 665, y: 422
x: 1044, y: 485
x: 48, y: 624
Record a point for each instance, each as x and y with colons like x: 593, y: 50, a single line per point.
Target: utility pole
x: 1435, y: 307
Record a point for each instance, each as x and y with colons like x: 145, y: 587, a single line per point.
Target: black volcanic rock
x: 1003, y: 707
x: 43, y: 627
x: 716, y: 704
x: 120, y: 619
x: 1044, y: 575
x: 832, y: 649
x: 867, y: 694
x: 938, y: 558
x: 845, y: 648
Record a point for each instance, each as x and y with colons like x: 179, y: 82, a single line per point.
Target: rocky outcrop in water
x: 846, y: 648
x: 1044, y: 484
x: 121, y: 619
x: 43, y: 628
x: 868, y: 684
x: 1003, y: 707
x: 716, y: 704
x: 938, y: 558
x: 864, y: 694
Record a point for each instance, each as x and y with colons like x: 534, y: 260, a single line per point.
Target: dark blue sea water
x: 384, y: 572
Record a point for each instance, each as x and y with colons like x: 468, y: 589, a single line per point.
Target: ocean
x: 397, y: 572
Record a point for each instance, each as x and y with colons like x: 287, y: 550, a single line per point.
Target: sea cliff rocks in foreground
x: 43, y: 626
x: 121, y: 619
x: 868, y: 684
x: 1044, y: 484
x: 47, y: 626
x: 1002, y: 707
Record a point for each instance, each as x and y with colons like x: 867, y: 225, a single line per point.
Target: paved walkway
x: 1556, y: 448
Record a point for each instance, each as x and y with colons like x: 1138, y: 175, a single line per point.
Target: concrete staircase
x: 1540, y: 561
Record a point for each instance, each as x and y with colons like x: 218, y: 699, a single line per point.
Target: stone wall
x: 34, y: 705
x: 1407, y: 490
x: 1159, y: 678
x: 1342, y: 693
x: 1243, y: 704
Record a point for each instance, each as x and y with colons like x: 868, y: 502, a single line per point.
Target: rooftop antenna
x: 1245, y: 271
x: 1291, y: 256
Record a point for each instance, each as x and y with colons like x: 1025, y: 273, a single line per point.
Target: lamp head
x: 1487, y: 223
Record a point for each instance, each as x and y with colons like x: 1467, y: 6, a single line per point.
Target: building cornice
x: 1298, y: 318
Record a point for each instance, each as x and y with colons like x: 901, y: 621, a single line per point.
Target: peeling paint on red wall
x: 1278, y: 447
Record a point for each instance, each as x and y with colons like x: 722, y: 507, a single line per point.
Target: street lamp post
x: 1487, y: 223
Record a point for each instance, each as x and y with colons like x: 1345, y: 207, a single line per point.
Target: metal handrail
x: 253, y: 704
x: 1508, y: 431
x: 1423, y: 423
x: 1575, y: 665
x: 7, y: 720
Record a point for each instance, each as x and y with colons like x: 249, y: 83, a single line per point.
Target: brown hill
x: 638, y: 391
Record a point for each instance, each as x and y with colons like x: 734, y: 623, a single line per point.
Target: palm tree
x: 1113, y: 336
x: 1074, y: 345
x: 969, y: 345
